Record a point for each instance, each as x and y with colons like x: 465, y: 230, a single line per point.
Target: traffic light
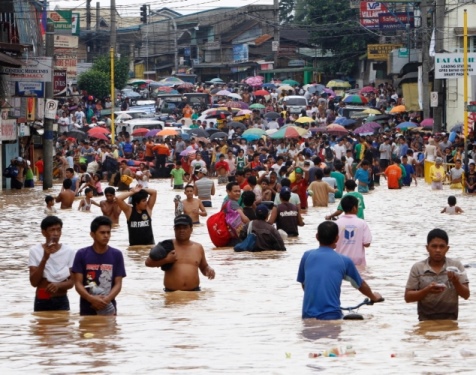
x: 143, y: 14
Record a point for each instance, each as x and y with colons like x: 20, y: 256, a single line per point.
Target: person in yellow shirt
x: 437, y: 174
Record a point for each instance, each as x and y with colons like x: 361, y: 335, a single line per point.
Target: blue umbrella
x: 344, y: 121
x: 458, y: 127
x: 270, y: 86
x: 250, y: 137
x: 406, y: 125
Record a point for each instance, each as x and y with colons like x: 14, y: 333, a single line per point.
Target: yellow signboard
x: 379, y: 52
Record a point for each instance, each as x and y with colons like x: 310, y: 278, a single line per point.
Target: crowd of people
x: 269, y: 184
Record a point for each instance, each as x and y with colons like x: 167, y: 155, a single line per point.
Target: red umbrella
x: 367, y: 89
x: 99, y: 136
x: 140, y: 132
x: 261, y: 93
x: 185, y: 85
x: 97, y: 130
x: 164, y: 89
x: 336, y: 129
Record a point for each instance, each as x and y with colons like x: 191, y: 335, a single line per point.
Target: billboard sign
x: 67, y: 59
x: 369, y: 12
x: 8, y: 130
x: 35, y: 69
x: 240, y: 53
x: 61, y: 20
x: 396, y: 21
x: 379, y: 52
x: 75, y: 26
x: 450, y: 65
x: 59, y: 82
x: 66, y: 41
x: 29, y: 89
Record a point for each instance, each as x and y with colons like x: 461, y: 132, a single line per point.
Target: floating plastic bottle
x: 335, y: 352
x: 404, y: 354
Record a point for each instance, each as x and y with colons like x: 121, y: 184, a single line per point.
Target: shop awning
x: 9, y: 61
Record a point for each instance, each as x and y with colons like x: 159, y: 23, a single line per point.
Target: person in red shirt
x: 222, y: 168
x: 299, y: 186
x: 149, y: 150
x: 393, y: 174
x: 162, y: 152
x: 40, y: 167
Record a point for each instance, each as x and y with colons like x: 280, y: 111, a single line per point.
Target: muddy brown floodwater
x: 247, y: 320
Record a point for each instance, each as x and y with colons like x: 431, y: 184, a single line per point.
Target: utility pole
x: 425, y: 56
x: 276, y: 36
x: 113, y: 25
x: 439, y: 24
x: 48, y: 123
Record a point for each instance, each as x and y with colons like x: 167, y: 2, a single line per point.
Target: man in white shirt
x: 340, y: 149
x: 64, y: 122
x: 79, y: 116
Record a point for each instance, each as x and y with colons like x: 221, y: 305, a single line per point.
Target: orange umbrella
x: 398, y: 109
x: 165, y: 132
x: 98, y: 129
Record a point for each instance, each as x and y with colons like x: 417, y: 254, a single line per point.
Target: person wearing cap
x: 139, y: 215
x: 204, y: 187
x: 183, y: 262
x: 267, y: 236
x: 321, y: 272
x: 193, y: 207
x: 437, y: 174
x: 286, y: 215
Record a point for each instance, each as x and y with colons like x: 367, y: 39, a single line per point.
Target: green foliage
x: 286, y: 8
x: 336, y: 29
x: 121, y: 69
x: 95, y: 83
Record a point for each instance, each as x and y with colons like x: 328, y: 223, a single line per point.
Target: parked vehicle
x: 295, y: 103
x: 130, y: 125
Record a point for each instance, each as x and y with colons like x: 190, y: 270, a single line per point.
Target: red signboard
x: 369, y: 12
x: 59, y: 82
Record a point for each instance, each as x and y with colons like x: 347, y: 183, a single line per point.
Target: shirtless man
x: 66, y: 196
x: 109, y: 207
x: 186, y: 259
x: 193, y: 207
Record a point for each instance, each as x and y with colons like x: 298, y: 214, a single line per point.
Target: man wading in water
x: 181, y: 264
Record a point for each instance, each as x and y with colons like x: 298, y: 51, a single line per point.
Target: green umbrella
x: 254, y: 131
x: 257, y: 106
x: 290, y: 82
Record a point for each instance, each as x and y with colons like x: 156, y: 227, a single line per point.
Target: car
x: 295, y: 103
x: 131, y: 95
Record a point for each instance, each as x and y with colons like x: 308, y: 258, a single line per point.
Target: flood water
x: 247, y: 320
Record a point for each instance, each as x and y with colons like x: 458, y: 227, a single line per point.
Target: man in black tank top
x: 139, y: 215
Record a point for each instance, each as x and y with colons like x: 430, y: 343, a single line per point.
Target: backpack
x: 329, y: 154
x: 10, y: 172
x: 218, y: 230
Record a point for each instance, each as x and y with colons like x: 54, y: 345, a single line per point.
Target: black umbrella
x: 211, y: 131
x: 198, y: 132
x: 380, y: 117
x: 236, y: 125
x: 219, y: 135
x: 272, y: 115
x: 78, y: 134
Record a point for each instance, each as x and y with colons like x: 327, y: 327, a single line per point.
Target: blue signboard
x: 396, y: 21
x: 30, y: 89
x: 240, y: 53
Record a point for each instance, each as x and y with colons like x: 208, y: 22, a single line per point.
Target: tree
x: 335, y: 28
x: 121, y: 69
x: 286, y: 8
x: 95, y: 83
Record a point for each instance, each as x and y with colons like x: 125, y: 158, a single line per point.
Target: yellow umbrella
x: 398, y: 109
x: 304, y: 120
x: 338, y: 83
x: 301, y: 131
x: 372, y: 111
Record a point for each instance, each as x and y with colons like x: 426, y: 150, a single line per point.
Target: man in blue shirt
x: 321, y: 272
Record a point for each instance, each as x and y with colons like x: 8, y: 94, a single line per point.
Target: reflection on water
x: 247, y: 320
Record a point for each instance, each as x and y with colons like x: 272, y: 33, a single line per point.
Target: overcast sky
x: 131, y: 7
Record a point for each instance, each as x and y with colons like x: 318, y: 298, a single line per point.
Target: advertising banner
x: 240, y: 53
x: 35, y: 69
x: 67, y: 59
x: 59, y: 82
x: 396, y: 21
x: 379, y: 52
x: 61, y: 20
x: 66, y: 41
x: 29, y: 89
x: 369, y: 12
x: 8, y: 130
x: 451, y: 65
